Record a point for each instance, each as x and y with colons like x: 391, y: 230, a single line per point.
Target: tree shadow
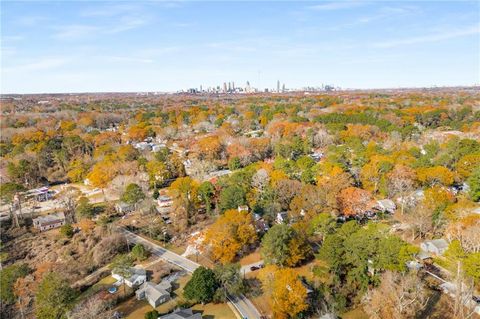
x: 432, y: 302
x: 203, y: 316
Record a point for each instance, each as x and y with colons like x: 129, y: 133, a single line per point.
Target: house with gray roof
x: 155, y: 294
x: 51, y: 221
x: 182, y: 314
x: 435, y: 246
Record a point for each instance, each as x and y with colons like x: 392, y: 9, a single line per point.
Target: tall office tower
x: 201, y: 89
x: 283, y: 88
x: 247, y: 87
x: 233, y: 86
x: 224, y: 87
x: 229, y: 87
x: 278, y: 86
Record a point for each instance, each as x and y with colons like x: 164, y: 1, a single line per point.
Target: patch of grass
x: 214, y: 311
x: 103, y: 284
x: 356, y: 313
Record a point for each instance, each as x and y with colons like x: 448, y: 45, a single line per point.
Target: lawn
x: 135, y: 309
x: 103, y: 284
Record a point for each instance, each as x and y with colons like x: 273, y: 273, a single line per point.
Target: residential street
x: 241, y: 303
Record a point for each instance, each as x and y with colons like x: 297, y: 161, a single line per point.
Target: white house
x: 155, y: 294
x: 137, y: 277
x: 435, y: 246
x: 49, y: 222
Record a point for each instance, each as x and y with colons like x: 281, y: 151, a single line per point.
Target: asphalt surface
x: 243, y: 305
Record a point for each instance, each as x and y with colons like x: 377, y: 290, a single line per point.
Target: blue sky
x: 93, y: 46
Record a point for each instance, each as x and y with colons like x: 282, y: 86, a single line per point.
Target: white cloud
x: 128, y: 59
x: 42, y: 64
x: 75, y: 31
x: 429, y: 38
x: 339, y: 5
x: 108, y: 11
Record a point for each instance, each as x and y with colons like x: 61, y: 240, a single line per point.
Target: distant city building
x: 278, y: 86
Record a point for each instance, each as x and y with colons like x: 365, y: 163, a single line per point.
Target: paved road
x: 241, y: 303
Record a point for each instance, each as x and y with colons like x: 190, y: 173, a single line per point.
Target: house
x: 124, y: 208
x: 137, y: 277
x: 281, y: 217
x: 154, y: 294
x: 164, y: 201
x: 143, y: 146
x: 182, y: 314
x: 435, y: 246
x: 385, y: 206
x: 41, y: 194
x: 49, y: 222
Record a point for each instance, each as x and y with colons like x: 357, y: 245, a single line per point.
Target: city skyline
x: 172, y: 46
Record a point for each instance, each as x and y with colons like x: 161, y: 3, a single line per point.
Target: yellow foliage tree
x: 101, y: 174
x: 466, y: 164
x: 230, y: 234
x: 435, y: 175
x: 285, y: 292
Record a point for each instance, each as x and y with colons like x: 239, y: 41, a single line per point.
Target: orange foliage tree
x: 354, y: 201
x: 230, y: 234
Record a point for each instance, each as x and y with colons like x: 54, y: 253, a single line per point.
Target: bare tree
x: 68, y: 199
x: 92, y: 308
x: 421, y: 221
x: 398, y: 297
x: 461, y: 304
